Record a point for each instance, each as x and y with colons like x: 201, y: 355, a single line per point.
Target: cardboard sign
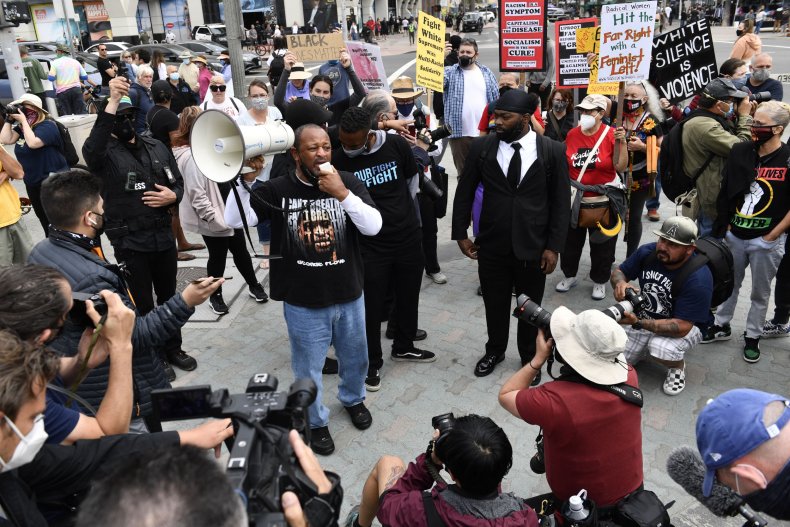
x: 585, y: 38
x: 430, y: 52
x: 626, y: 41
x: 522, y: 34
x: 366, y: 59
x: 683, y: 61
x: 318, y: 47
x: 571, y: 64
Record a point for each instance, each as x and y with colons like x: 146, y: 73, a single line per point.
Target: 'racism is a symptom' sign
x: 626, y: 41
x: 684, y: 61
x: 522, y: 33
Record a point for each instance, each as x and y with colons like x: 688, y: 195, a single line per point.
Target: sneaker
x: 715, y: 333
x: 182, y: 361
x: 257, y: 292
x: 413, y: 355
x: 566, y: 283
x: 751, y: 350
x: 353, y: 514
x: 170, y: 373
x: 218, y: 304
x: 373, y: 381
x: 653, y: 215
x: 420, y: 334
x: 360, y: 416
x: 321, y: 442
x: 599, y: 291
x: 675, y: 381
x: 438, y: 278
x: 772, y: 329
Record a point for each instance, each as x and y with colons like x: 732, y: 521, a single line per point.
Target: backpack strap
x: 205, y: 105
x: 697, y: 262
x: 431, y: 514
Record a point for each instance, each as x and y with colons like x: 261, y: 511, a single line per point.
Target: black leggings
x: 218, y: 247
x: 636, y: 204
x: 34, y: 193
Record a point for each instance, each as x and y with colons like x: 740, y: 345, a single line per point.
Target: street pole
x: 13, y: 63
x: 341, y: 19
x: 67, y: 21
x: 233, y: 27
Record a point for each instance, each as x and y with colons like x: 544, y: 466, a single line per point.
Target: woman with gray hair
x: 642, y: 116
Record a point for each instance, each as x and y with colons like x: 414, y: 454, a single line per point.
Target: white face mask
x: 28, y: 446
x: 586, y: 121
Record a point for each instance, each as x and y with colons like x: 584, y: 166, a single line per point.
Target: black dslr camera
x: 79, y: 314
x: 262, y: 464
x: 444, y: 423
x: 421, y: 122
x: 760, y: 96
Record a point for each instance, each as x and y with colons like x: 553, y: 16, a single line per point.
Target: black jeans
x: 498, y: 276
x: 150, y: 273
x: 71, y: 101
x: 429, y: 231
x: 401, y: 268
x: 218, y: 247
x: 601, y: 255
x: 782, y: 289
x: 34, y: 193
x: 635, y: 206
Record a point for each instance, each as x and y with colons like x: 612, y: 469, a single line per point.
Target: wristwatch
x: 637, y: 325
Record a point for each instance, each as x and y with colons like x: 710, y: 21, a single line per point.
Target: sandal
x: 185, y: 257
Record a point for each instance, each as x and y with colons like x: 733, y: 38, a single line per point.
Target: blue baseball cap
x: 731, y: 426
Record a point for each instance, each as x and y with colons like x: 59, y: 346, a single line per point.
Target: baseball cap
x: 126, y: 105
x: 678, y: 229
x: 731, y: 426
x: 593, y: 102
x: 62, y: 48
x: 161, y: 91
x: 720, y: 88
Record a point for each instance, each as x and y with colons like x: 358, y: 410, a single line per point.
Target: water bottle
x: 574, y: 509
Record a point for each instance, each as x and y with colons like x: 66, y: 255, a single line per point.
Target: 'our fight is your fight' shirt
x: 384, y: 171
x: 767, y: 200
x: 655, y: 283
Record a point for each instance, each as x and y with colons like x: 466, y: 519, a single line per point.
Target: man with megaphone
x: 317, y: 215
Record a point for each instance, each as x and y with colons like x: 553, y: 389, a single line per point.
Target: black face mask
x: 738, y: 32
x: 511, y: 135
x: 123, y: 130
x: 465, y: 61
x: 99, y: 225
x: 772, y: 500
x: 503, y: 90
x: 320, y: 101
x: 311, y: 177
x: 630, y: 106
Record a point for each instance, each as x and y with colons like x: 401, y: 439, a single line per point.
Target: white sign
x: 368, y: 65
x: 626, y: 41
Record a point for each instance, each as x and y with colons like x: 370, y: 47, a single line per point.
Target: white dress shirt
x: 528, y: 153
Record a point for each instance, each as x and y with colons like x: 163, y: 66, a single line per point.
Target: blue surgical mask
x: 186, y: 61
x: 731, y: 111
x: 740, y: 82
x: 175, y: 76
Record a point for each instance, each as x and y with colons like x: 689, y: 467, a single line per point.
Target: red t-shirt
x: 578, y: 146
x: 487, y: 121
x: 592, y: 439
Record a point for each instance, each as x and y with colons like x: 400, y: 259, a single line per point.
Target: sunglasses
x: 216, y: 88
x: 102, y: 49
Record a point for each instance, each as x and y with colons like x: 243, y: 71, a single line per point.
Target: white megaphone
x: 220, y: 146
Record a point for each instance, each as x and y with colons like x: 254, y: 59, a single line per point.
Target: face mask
x: 559, y: 107
x: 631, y: 106
x: 405, y: 109
x: 465, y: 61
x: 223, y: 62
x: 28, y: 446
x: 186, y: 61
x: 739, y: 82
x: 358, y: 152
x: 260, y: 103
x: 731, y: 111
x: 31, y: 116
x: 320, y: 101
x: 513, y: 134
x: 761, y: 75
x: 586, y: 122
x: 98, y: 226
x: 175, y: 76
x: 503, y: 90
x: 124, y: 131
x: 762, y: 134
x: 311, y: 177
x: 772, y: 500
x: 738, y: 32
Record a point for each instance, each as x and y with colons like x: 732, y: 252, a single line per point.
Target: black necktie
x: 514, y: 170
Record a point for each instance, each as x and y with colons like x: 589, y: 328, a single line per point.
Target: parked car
x: 556, y: 13
x: 488, y: 16
x: 46, y: 61
x: 114, y: 49
x: 203, y: 47
x: 35, y: 47
x: 470, y: 20
x: 211, y: 33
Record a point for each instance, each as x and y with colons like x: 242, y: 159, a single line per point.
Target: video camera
x: 534, y: 315
x: 262, y: 464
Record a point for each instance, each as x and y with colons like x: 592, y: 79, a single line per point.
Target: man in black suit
x: 523, y: 223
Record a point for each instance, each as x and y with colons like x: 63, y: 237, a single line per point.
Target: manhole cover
x: 186, y: 274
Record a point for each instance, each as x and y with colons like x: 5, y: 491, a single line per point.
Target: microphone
x: 686, y: 468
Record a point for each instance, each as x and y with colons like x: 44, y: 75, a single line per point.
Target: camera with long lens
x: 262, y: 464
x: 634, y: 302
x: 429, y: 188
x: 421, y: 122
x: 760, y: 96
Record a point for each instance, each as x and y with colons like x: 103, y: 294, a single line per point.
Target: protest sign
x: 683, y: 61
x: 626, y: 41
x: 522, y: 34
x: 366, y: 59
x: 318, y: 47
x: 588, y: 40
x: 430, y: 52
x: 571, y: 64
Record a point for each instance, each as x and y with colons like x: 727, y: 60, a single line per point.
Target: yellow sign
x: 318, y: 47
x: 430, y: 52
x: 588, y: 40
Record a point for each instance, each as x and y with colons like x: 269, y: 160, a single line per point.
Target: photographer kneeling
x: 592, y: 433
x: 476, y: 453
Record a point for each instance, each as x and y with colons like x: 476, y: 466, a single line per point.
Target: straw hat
x: 403, y: 88
x: 298, y: 73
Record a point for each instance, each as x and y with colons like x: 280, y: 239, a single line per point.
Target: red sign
x: 522, y: 33
x: 170, y: 25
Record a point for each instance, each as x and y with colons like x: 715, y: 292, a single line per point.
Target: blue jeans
x: 311, y: 331
x: 652, y: 203
x: 704, y: 224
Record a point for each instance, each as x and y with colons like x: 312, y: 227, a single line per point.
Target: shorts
x: 640, y: 342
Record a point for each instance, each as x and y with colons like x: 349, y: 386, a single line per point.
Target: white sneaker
x: 438, y: 278
x: 599, y: 291
x: 566, y: 283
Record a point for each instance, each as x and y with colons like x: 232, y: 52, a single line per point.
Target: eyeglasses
x: 218, y: 87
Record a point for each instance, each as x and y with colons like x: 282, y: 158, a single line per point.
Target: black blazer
x: 524, y: 222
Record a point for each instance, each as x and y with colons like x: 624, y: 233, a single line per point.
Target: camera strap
x: 626, y: 392
x: 71, y: 395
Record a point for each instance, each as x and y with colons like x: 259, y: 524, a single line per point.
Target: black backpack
x: 68, y: 150
x: 276, y: 68
x: 674, y: 180
x: 717, y: 256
